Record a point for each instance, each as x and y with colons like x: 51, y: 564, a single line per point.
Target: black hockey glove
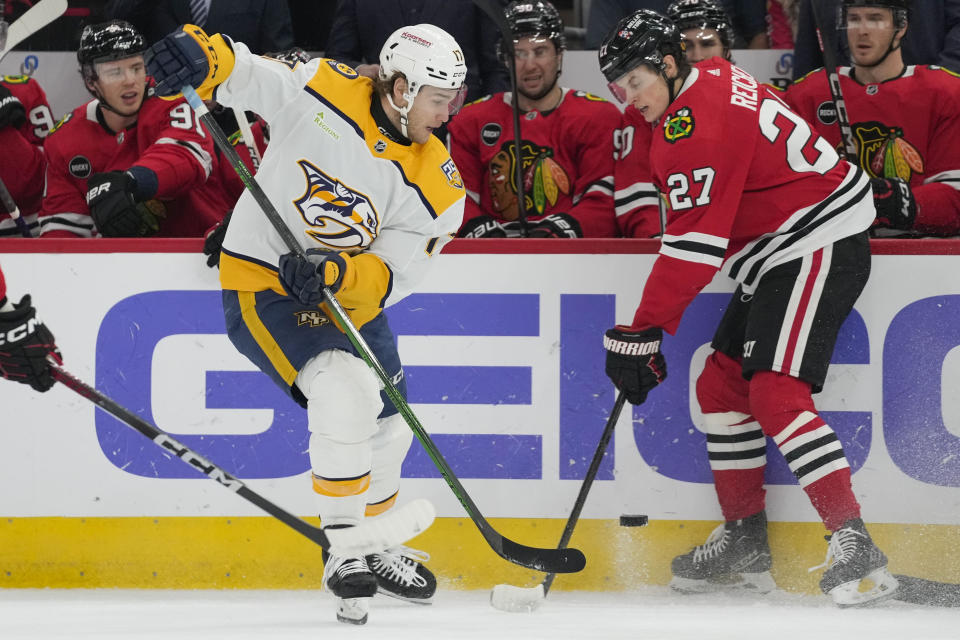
x: 489, y: 227
x: 304, y: 279
x: 25, y: 343
x: 556, y: 225
x: 634, y: 362
x: 115, y: 209
x: 12, y: 113
x: 896, y: 206
x: 214, y: 241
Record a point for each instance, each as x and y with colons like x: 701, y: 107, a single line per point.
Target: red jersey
x: 749, y: 185
x: 567, y: 160
x: 167, y: 139
x: 22, y: 163
x: 635, y: 198
x: 906, y: 127
x: 3, y: 286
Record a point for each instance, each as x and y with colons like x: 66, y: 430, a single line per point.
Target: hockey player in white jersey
x: 372, y: 196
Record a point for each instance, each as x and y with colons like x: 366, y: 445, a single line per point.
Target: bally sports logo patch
x: 678, y: 125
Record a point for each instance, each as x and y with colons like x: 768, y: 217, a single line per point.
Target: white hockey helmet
x: 426, y: 55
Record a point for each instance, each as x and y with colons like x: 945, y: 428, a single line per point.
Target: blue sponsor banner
x: 915, y: 346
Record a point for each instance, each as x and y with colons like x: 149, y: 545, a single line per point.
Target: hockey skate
x: 352, y: 582
x: 857, y: 571
x: 736, y: 556
x: 401, y: 574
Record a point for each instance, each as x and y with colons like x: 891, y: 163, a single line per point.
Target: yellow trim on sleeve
x: 265, y: 341
x: 242, y: 275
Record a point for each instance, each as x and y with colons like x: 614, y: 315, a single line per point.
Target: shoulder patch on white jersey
x: 453, y: 174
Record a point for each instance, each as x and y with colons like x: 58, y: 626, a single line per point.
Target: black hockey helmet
x: 643, y: 37
x: 900, y: 8
x: 702, y: 14
x: 534, y: 18
x: 114, y: 40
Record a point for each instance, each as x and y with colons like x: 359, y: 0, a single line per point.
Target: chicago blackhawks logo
x: 543, y: 179
x: 337, y: 215
x: 678, y: 125
x: 885, y: 153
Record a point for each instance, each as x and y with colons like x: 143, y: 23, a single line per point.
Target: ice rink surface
x: 652, y: 614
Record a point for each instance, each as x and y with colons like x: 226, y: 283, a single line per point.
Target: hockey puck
x: 633, y: 521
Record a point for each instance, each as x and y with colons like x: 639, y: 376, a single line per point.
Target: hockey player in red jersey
x: 25, y: 120
x: 706, y: 32
x: 905, y: 121
x: 25, y: 343
x: 127, y: 164
x: 755, y: 194
x: 567, y: 144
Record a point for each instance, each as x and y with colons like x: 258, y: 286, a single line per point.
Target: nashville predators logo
x: 543, y: 179
x: 885, y: 153
x: 337, y: 216
x: 311, y: 318
x: 679, y: 125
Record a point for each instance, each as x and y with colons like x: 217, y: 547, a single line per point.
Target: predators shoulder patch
x: 678, y: 125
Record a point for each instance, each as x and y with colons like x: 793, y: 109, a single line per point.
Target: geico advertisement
x: 504, y: 365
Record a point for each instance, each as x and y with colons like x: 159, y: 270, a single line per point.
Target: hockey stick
x: 549, y: 560
x: 507, y: 597
x: 247, y: 135
x: 928, y: 592
x: 371, y: 536
x: 506, y: 38
x: 827, y: 48
x: 37, y: 17
x: 7, y: 201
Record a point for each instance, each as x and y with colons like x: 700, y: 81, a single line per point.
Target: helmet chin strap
x: 403, y: 111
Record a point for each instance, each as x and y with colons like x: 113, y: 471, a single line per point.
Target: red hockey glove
x: 634, y: 362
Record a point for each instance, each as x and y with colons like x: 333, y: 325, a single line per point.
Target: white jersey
x: 337, y: 180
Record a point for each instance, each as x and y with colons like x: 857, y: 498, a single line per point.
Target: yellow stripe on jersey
x: 269, y: 346
x: 383, y: 506
x: 341, y: 488
x: 426, y: 168
x: 237, y: 274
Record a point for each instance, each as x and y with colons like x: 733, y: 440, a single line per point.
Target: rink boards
x: 504, y: 364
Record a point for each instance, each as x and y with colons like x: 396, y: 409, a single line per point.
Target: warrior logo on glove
x: 634, y: 362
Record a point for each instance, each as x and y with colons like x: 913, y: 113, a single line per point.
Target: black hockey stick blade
x: 371, y: 536
x: 928, y: 592
x: 548, y: 560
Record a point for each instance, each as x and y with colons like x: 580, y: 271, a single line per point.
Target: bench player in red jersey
x: 905, y: 140
x: 25, y: 120
x: 127, y: 163
x: 567, y: 144
x: 758, y: 196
